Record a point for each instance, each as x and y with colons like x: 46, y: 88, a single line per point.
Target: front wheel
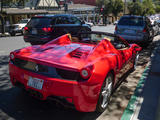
x: 105, y: 93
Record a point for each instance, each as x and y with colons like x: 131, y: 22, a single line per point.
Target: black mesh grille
x: 46, y: 70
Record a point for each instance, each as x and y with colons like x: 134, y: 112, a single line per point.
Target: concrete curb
x: 135, y: 98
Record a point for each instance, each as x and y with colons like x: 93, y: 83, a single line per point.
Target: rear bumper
x: 135, y: 39
x: 82, y: 95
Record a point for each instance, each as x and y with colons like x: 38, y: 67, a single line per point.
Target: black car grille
x: 46, y: 70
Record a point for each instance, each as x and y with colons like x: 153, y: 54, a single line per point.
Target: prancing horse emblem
x: 36, y: 68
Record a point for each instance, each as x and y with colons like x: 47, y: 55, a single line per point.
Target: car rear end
x: 51, y: 73
x: 132, y: 29
x: 38, y: 30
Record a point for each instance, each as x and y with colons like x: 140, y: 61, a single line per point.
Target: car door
x: 124, y: 56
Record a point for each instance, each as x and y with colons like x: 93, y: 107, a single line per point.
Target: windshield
x: 131, y: 21
x: 39, y: 22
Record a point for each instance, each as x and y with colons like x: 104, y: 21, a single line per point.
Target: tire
x: 105, y: 94
x: 12, y: 33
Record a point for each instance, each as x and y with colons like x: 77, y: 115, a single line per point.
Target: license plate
x: 129, y: 31
x: 35, y: 83
x: 34, y: 31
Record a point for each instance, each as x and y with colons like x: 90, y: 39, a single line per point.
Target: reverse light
x: 49, y: 29
x: 12, y: 56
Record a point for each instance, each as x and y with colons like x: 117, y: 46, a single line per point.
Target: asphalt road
x: 15, y: 104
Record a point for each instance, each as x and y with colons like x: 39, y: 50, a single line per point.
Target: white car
x: 89, y: 23
x: 18, y: 28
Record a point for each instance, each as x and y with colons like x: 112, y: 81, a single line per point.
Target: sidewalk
x: 145, y: 102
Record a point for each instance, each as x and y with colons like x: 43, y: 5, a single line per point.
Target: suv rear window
x: 131, y: 21
x: 39, y: 22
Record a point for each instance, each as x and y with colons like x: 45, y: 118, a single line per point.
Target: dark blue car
x: 44, y: 28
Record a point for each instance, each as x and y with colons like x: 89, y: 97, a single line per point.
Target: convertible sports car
x: 81, y: 71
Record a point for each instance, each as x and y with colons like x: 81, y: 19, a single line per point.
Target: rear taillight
x: 47, y: 29
x: 144, y: 30
x: 116, y: 28
x: 25, y: 28
x: 86, y: 72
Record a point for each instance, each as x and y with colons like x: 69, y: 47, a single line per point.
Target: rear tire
x: 12, y: 33
x: 105, y: 94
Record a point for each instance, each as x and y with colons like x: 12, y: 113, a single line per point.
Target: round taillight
x: 12, y: 56
x: 25, y: 28
x: 85, y: 73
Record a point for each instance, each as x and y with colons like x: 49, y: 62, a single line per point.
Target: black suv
x: 43, y: 28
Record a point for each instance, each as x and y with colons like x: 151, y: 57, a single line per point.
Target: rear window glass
x: 67, y: 20
x: 23, y: 21
x: 132, y: 21
x: 39, y: 22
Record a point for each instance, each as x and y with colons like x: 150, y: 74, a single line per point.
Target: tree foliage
x: 148, y: 7
x: 135, y: 8
x: 144, y: 8
x: 157, y: 8
x: 117, y: 7
x: 110, y: 6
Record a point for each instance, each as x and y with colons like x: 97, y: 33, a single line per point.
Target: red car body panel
x: 64, y: 54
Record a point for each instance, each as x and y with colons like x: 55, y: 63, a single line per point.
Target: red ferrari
x: 81, y: 71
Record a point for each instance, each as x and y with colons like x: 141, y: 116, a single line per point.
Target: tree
x: 117, y: 7
x: 104, y: 6
x: 135, y: 8
x: 144, y: 8
x: 157, y: 9
x: 148, y: 7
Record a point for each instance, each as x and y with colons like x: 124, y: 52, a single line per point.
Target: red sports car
x: 81, y: 71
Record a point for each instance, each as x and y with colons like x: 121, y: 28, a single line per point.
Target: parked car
x: 81, y: 71
x: 44, y: 28
x: 89, y: 23
x: 18, y: 28
x: 136, y: 29
x: 156, y: 28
